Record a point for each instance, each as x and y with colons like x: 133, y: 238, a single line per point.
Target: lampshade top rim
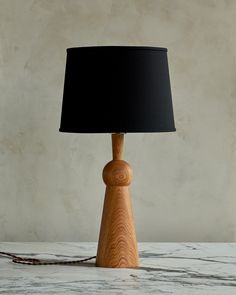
x: 119, y: 47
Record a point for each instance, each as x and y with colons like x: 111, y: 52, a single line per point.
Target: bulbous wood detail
x: 117, y: 173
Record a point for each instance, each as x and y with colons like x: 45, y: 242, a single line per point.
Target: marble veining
x: 166, y: 268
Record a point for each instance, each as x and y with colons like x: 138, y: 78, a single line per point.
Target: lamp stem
x: 117, y: 246
x: 117, y: 145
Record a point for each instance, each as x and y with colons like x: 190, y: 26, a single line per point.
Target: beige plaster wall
x: 50, y: 183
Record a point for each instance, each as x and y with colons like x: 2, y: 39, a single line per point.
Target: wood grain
x: 117, y: 145
x: 117, y: 246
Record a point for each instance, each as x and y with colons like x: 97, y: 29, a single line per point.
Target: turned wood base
x: 117, y: 246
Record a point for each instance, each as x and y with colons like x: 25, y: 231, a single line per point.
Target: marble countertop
x: 166, y: 268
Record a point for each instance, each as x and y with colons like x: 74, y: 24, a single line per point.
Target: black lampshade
x: 117, y: 89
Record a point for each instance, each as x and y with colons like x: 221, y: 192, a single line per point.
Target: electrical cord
x: 33, y: 261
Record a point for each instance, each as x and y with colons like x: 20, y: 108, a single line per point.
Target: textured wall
x: 50, y: 183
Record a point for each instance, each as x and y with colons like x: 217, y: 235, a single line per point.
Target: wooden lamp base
x: 117, y: 246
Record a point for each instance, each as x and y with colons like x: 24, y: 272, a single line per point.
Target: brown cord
x: 33, y: 261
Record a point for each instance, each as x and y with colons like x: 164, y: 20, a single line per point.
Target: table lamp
x: 117, y: 90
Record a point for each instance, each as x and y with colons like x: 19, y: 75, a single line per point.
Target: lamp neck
x: 117, y: 145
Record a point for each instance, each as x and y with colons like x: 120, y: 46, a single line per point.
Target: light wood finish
x: 117, y: 145
x: 117, y: 246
